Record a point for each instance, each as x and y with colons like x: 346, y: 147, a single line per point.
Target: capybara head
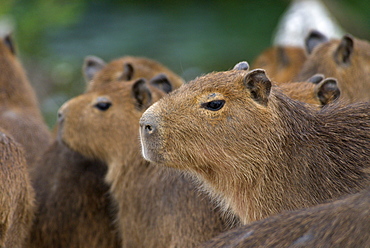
x: 198, y: 113
x: 347, y: 59
x: 103, y: 124
x: 282, y: 63
x: 317, y: 90
x: 236, y: 98
x: 127, y: 68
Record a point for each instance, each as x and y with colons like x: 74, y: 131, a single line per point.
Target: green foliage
x: 33, y: 18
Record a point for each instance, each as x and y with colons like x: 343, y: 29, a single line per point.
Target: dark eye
x: 103, y: 105
x: 214, y: 105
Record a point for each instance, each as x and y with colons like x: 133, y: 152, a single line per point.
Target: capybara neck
x: 15, y: 87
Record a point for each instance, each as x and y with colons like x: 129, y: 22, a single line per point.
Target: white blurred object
x: 301, y: 17
x: 6, y: 25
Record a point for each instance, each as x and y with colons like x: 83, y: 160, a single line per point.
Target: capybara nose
x: 147, y: 128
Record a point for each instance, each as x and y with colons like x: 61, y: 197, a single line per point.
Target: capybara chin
x: 255, y: 149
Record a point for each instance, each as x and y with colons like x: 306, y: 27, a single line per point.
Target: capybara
x: 341, y: 223
x: 317, y: 90
x: 282, y: 63
x: 16, y: 194
x: 20, y: 114
x: 256, y: 150
x: 347, y: 59
x: 125, y: 68
x: 75, y: 208
x: 158, y: 207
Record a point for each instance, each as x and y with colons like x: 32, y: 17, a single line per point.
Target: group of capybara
x: 272, y: 154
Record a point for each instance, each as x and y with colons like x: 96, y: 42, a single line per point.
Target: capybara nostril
x: 60, y: 116
x: 148, y: 128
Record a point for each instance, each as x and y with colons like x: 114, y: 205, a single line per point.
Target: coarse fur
x: 16, y: 194
x: 317, y: 94
x: 282, y: 63
x: 20, y: 114
x: 341, y: 223
x: 347, y: 59
x: 125, y: 68
x: 75, y: 208
x: 317, y: 90
x: 158, y: 207
x: 256, y: 150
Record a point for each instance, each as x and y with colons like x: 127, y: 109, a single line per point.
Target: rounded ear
x: 242, y: 66
x: 283, y: 58
x: 162, y: 82
x: 313, y: 39
x: 91, y: 66
x: 344, y: 51
x: 258, y: 85
x: 142, y: 94
x: 128, y: 72
x: 327, y: 91
x: 315, y: 79
x: 8, y: 41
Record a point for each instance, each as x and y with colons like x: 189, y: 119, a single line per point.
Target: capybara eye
x: 103, y: 105
x: 214, y: 105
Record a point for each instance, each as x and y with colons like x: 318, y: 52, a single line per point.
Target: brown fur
x: 262, y: 152
x: 157, y: 207
x: 348, y: 60
x: 75, y: 209
x: 128, y: 68
x: 282, y: 63
x: 16, y: 194
x: 316, y: 94
x: 20, y: 115
x: 342, y: 223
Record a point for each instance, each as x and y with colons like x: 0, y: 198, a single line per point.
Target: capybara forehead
x: 226, y: 83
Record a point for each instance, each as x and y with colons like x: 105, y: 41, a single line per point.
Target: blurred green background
x: 189, y: 37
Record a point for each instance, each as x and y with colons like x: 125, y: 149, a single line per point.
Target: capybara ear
x: 343, y: 53
x: 242, y: 66
x: 128, y: 72
x: 8, y: 41
x: 313, y: 39
x: 315, y: 79
x: 258, y: 85
x: 142, y: 94
x: 282, y: 55
x: 162, y: 82
x: 91, y: 66
x: 327, y: 91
